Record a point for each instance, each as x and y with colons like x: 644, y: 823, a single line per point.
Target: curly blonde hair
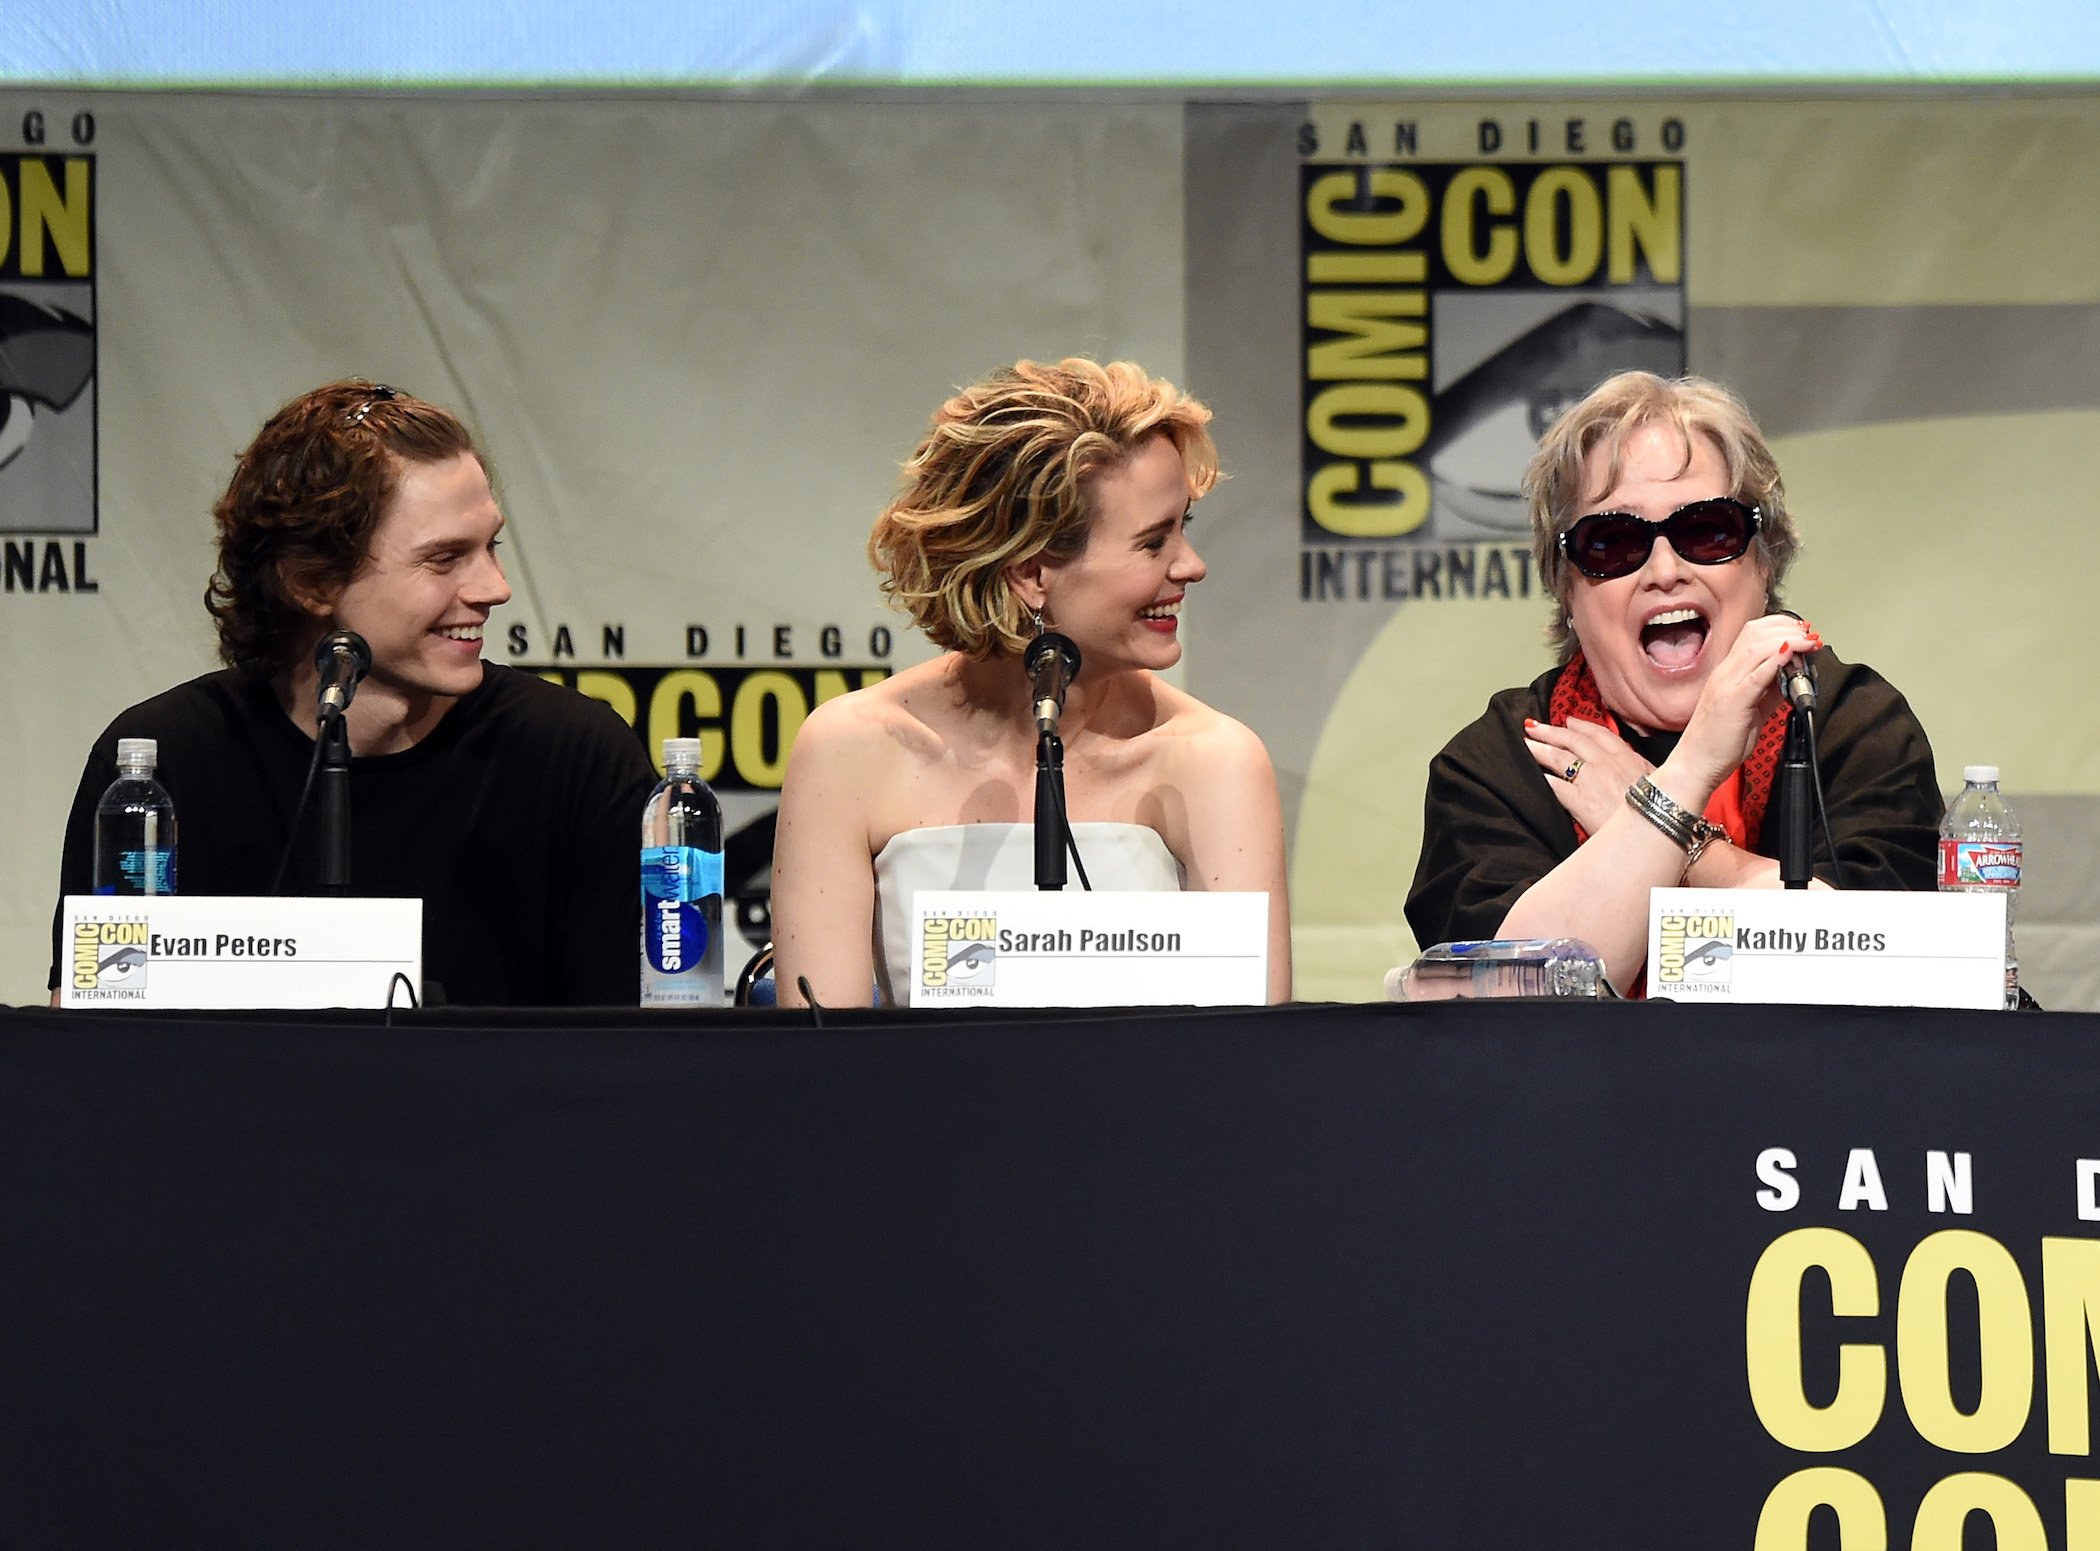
x: 1608, y: 417
x: 1001, y: 478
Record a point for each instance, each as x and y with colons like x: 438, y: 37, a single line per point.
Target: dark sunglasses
x: 1605, y: 545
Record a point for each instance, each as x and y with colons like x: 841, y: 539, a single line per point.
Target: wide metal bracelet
x: 1690, y: 832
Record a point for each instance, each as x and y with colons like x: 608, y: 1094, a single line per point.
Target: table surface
x: 1334, y: 1275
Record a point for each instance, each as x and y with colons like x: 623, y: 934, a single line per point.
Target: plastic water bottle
x: 1980, y: 854
x: 682, y: 885
x: 1521, y: 966
x: 135, y: 826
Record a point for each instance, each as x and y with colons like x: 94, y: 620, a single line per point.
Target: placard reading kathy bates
x: 1077, y: 949
x: 1862, y: 947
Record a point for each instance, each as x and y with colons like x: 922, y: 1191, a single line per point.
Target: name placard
x: 1863, y: 948
x: 185, y: 950
x: 1029, y: 948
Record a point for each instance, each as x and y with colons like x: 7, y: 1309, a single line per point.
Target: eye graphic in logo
x: 46, y: 357
x: 973, y: 961
x: 1709, y: 958
x: 1488, y: 422
x: 120, y: 968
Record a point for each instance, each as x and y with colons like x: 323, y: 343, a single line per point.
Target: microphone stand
x: 1795, y: 793
x: 1049, y: 810
x: 334, y: 736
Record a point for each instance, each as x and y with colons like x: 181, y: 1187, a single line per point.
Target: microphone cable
x: 1064, y: 823
x: 291, y: 837
x: 1815, y: 780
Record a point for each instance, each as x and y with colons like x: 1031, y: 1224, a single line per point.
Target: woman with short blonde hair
x: 1047, y: 496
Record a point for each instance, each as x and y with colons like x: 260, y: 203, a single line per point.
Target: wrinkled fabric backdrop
x: 698, y: 333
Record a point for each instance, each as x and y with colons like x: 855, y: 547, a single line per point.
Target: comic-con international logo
x: 959, y: 955
x: 1694, y: 952
x: 1451, y: 311
x: 47, y: 363
x: 110, y: 959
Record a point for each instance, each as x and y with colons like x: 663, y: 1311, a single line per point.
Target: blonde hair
x: 1607, y: 418
x: 1001, y: 477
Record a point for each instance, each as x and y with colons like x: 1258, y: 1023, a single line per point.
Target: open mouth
x: 1672, y: 641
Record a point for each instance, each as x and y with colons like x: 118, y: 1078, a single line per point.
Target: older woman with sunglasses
x: 1646, y: 757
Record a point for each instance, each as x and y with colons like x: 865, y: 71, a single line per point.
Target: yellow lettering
x: 1543, y: 230
x: 747, y: 726
x: 1370, y: 346
x: 2070, y: 1329
x: 689, y: 686
x: 1468, y: 262
x: 2005, y: 1339
x: 1772, y: 1331
x: 1863, y: 1524
x: 1368, y: 519
x: 1401, y: 412
x: 1325, y: 200
x: 2015, y: 1524
x: 63, y: 221
x: 1638, y: 225
x: 1403, y: 268
x: 2081, y: 1514
x: 933, y: 952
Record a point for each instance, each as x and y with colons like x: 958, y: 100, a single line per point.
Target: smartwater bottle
x: 135, y: 826
x: 682, y: 885
x: 1980, y: 854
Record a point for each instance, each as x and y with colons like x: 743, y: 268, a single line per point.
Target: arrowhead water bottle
x: 135, y: 826
x: 1980, y: 854
x: 682, y: 885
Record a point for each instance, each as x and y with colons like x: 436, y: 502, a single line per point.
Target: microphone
x: 1797, y: 680
x: 1052, y: 662
x: 343, y: 660
x: 1797, y: 677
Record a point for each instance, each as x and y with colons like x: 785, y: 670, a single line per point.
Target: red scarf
x: 1738, y: 805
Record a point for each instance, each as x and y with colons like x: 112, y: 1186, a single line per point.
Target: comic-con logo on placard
x: 48, y: 429
x: 959, y: 955
x: 1694, y: 952
x: 1451, y: 310
x: 110, y: 959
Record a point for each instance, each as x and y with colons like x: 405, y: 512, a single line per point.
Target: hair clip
x: 378, y: 393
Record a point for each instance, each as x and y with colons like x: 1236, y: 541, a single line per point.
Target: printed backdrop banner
x: 699, y: 334
x: 1389, y: 300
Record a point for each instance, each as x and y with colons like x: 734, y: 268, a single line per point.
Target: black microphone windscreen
x: 1047, y: 645
x: 344, y: 643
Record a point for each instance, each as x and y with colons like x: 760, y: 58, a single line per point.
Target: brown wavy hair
x: 1613, y: 411
x: 1001, y: 478
x: 297, y: 519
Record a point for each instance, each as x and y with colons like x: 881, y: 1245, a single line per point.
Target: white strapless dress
x: 1121, y: 857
